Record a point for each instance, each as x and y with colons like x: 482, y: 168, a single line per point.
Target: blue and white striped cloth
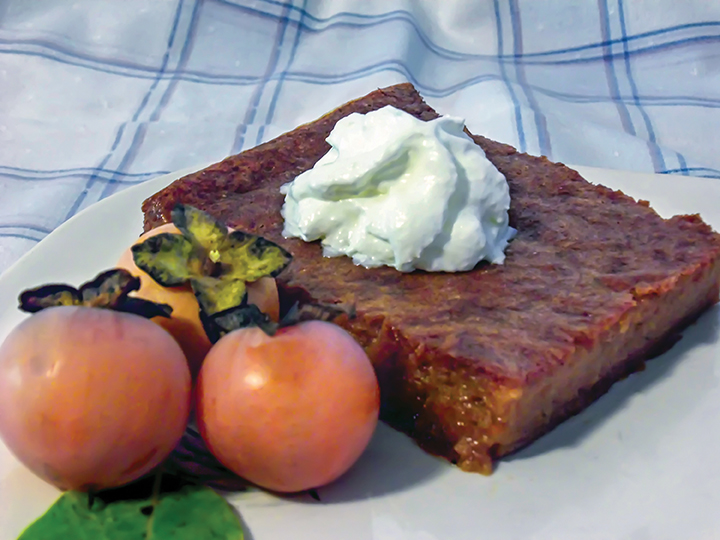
x: 99, y: 95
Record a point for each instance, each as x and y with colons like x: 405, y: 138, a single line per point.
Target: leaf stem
x: 154, y: 501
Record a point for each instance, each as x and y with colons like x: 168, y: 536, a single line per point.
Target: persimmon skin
x: 184, y: 324
x: 91, y: 398
x: 290, y: 412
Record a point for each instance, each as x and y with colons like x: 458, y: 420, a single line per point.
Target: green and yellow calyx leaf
x: 217, y: 263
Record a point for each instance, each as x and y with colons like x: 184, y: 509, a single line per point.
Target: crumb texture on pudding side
x: 476, y: 365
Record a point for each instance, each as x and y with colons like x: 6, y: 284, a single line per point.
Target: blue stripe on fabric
x: 81, y: 198
x: 19, y: 235
x: 540, y: 121
x: 373, y: 21
x: 708, y: 172
x: 379, y: 19
x: 683, y: 163
x: 91, y: 181
x: 312, y: 78
x: 647, y: 101
x: 395, y: 66
x: 655, y: 153
x: 408, y: 17
x: 141, y: 129
x: 11, y: 230
x: 313, y: 18
x: 189, y: 75
x: 37, y: 173
x: 251, y: 111
x: 163, y: 64
x: 52, y: 46
x: 182, y: 62
x: 635, y: 52
x: 628, y: 39
x: 610, y: 74
x: 281, y: 78
x: 28, y: 227
x: 145, y: 72
x: 135, y: 179
x: 527, y: 58
x: 508, y: 84
x: 306, y: 14
x: 434, y: 47
x: 400, y: 68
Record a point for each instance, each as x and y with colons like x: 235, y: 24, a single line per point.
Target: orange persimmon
x: 289, y: 412
x: 91, y: 398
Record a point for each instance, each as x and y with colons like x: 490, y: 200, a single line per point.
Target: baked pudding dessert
x: 474, y: 365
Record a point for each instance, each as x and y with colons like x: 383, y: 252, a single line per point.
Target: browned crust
x: 632, y: 363
x: 455, y: 353
x: 274, y: 162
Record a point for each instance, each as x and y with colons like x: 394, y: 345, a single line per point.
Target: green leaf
x: 187, y: 512
x: 251, y: 257
x: 166, y: 258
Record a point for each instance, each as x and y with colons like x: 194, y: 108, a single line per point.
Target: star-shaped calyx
x: 216, y: 262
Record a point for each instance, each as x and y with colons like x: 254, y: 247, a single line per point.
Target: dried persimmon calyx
x: 224, y: 322
x: 200, y: 227
x: 51, y: 295
x: 168, y: 258
x: 108, y: 290
x: 216, y: 295
x: 251, y: 257
x: 218, y: 263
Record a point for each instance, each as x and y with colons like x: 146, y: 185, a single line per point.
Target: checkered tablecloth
x: 99, y: 95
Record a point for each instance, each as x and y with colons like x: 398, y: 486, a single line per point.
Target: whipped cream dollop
x: 394, y: 190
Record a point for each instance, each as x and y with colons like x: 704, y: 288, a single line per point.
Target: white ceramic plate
x: 640, y: 464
